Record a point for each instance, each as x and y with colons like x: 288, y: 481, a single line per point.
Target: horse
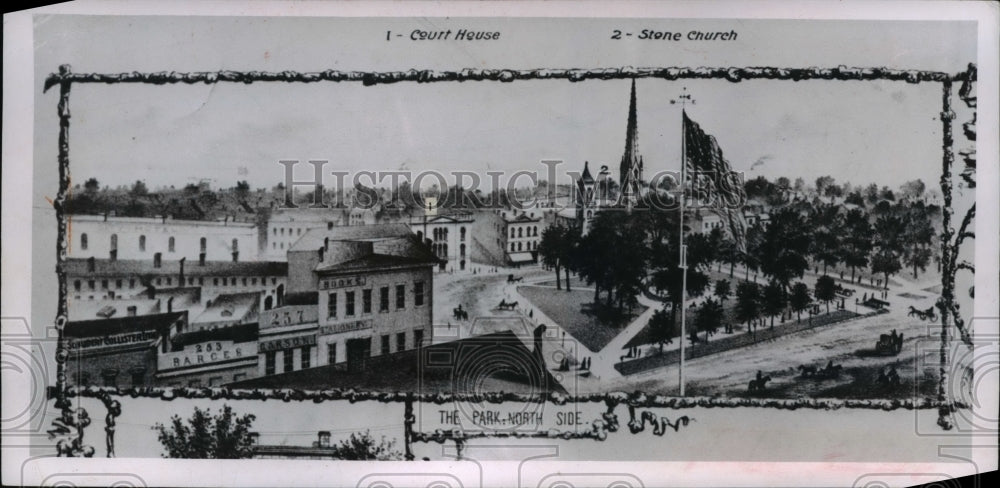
x: 807, y: 371
x: 830, y: 371
x: 758, y: 384
x: 459, y: 313
x: 512, y: 279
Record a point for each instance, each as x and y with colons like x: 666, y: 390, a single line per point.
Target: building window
x: 349, y: 303
x: 519, y: 246
x: 461, y: 250
x: 512, y: 247
x: 331, y: 353
x: 288, y: 357
x: 305, y: 357
x: 169, y: 280
x: 385, y: 344
x: 462, y: 234
x: 401, y: 341
x: 110, y: 377
x: 76, y: 285
x: 418, y: 337
x: 244, y: 281
x: 171, y: 244
x: 104, y: 284
x: 203, y: 244
x: 83, y: 241
x: 253, y: 281
x: 215, y: 282
x: 118, y: 284
x: 383, y: 299
x: 418, y: 293
x: 138, y: 377
x: 91, y: 284
x: 331, y: 305
x: 158, y: 281
x: 366, y: 301
x: 142, y: 243
x: 400, y: 296
x: 131, y: 283
x: 513, y: 233
x: 269, y: 362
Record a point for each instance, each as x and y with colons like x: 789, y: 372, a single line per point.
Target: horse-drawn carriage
x: 459, y: 313
x: 889, y: 343
x: 505, y: 305
x: 514, y: 279
x: 927, y: 314
x: 840, y: 290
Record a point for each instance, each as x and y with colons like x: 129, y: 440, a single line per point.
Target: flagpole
x: 682, y: 250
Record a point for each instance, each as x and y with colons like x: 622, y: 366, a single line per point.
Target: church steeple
x: 631, y: 165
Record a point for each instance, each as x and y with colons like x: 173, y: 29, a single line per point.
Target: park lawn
x: 571, y: 311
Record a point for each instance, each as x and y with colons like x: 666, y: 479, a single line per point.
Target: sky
x: 174, y: 135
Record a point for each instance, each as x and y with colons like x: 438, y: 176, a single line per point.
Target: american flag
x: 724, y: 187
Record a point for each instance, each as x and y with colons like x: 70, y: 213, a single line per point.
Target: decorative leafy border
x: 71, y: 444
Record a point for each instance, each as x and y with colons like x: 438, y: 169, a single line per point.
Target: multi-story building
x: 142, y: 238
x: 449, y: 236
x: 521, y: 234
x: 285, y: 226
x: 119, y: 351
x: 96, y: 279
x: 371, y: 295
x: 218, y: 346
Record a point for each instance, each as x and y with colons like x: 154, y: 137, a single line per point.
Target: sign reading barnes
x: 287, y: 343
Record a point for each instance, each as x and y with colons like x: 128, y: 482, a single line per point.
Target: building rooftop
x: 157, y: 220
x: 236, y: 333
x: 120, y: 267
x: 123, y: 325
x: 315, y: 238
x: 430, y: 369
x: 108, y: 308
x: 228, y: 309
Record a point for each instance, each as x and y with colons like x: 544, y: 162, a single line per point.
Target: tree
x: 913, y: 190
x: 889, y: 231
x: 773, y: 300
x: 363, y: 447
x: 661, y: 327
x: 827, y: 227
x: 826, y: 290
x: 707, y: 318
x: 800, y: 299
x: 139, y: 189
x: 822, y: 183
x: 747, y: 302
x: 91, y: 185
x: 917, y: 236
x: 723, y: 290
x: 784, y: 247
x: 551, y: 249
x: 224, y: 436
x: 856, y: 244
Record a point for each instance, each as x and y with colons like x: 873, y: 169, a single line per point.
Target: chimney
x: 236, y: 256
x: 323, y: 439
x: 182, y: 270
x: 157, y: 260
x: 201, y: 259
x: 91, y: 264
x: 114, y: 254
x: 170, y: 304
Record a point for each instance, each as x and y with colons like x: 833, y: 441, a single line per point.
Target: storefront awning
x: 520, y: 257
